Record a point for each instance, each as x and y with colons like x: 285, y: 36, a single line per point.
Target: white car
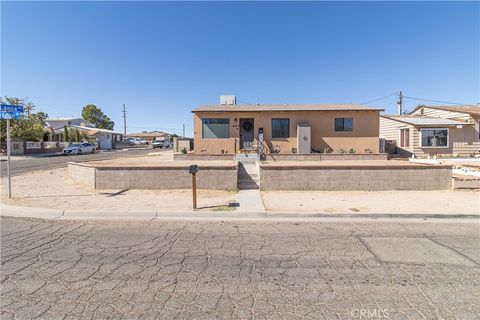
x: 79, y: 148
x: 162, y: 144
x: 136, y: 141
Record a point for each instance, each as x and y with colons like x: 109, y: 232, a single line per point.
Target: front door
x: 246, y: 133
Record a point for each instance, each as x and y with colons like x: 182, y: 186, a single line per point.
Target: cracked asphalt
x: 238, y: 270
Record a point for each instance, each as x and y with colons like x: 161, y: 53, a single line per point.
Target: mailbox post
x: 193, y: 169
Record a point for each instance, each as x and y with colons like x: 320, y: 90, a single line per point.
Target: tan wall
x: 363, y: 138
x: 390, y: 130
x: 462, y: 141
x: 425, y: 111
x: 183, y: 144
x: 366, y: 179
x: 216, y: 177
x: 82, y: 173
x: 168, y: 178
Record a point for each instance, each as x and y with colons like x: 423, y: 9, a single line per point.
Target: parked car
x: 128, y: 140
x: 139, y: 141
x: 162, y: 144
x: 135, y: 141
x: 79, y: 148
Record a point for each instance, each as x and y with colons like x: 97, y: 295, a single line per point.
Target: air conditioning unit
x: 228, y: 100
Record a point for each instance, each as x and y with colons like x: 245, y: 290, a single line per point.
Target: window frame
x: 437, y: 147
x: 203, y: 126
x: 343, y: 124
x: 288, y: 128
x: 404, y: 138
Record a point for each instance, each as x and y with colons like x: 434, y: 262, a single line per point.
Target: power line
x: 246, y: 102
x: 436, y: 101
x: 374, y: 100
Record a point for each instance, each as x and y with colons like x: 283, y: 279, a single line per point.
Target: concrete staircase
x: 247, y: 157
x: 248, y: 175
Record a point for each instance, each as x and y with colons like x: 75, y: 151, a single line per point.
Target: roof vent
x: 228, y: 100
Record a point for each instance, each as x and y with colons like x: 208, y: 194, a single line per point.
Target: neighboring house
x: 104, y: 139
x: 434, y: 130
x: 230, y: 128
x: 56, y: 126
x: 149, y: 137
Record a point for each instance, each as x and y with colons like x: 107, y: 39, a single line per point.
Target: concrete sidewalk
x: 43, y: 213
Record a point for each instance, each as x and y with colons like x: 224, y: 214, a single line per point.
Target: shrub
x: 184, y: 150
x: 351, y: 151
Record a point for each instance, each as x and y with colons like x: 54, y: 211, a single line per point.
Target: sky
x: 162, y: 59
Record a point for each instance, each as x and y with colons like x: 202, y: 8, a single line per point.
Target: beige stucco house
x: 434, y: 130
x: 229, y: 128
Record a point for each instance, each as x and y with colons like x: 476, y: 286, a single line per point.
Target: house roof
x: 285, y: 107
x: 63, y: 119
x: 470, y: 109
x: 425, y: 121
x: 151, y: 134
x: 95, y: 130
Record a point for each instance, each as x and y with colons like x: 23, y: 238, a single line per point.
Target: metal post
x: 194, y: 190
x: 8, y: 160
x: 400, y: 104
x: 124, y: 120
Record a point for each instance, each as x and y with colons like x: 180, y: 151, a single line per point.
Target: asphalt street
x: 24, y: 164
x: 200, y: 270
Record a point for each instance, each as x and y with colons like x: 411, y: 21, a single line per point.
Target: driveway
x: 148, y: 270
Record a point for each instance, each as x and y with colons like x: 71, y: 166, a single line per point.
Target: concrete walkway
x: 250, y: 201
x: 240, y: 215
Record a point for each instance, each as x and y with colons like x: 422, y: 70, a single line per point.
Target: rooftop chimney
x: 228, y: 100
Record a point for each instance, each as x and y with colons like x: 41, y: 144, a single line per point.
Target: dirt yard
x: 55, y: 189
x: 431, y: 202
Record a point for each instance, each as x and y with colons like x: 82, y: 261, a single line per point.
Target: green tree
x: 77, y: 135
x: 95, y: 115
x: 65, y: 134
x: 31, y: 127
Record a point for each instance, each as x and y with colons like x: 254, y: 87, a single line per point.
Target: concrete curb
x: 43, y: 213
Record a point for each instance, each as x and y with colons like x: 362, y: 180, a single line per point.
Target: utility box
x: 304, y: 141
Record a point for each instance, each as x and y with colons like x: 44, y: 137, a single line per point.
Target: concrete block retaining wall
x: 276, y: 177
x: 201, y: 157
x: 174, y: 177
x: 366, y: 179
x: 84, y: 174
x: 325, y: 156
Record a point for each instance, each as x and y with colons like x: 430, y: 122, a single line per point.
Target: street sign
x: 9, y: 112
x: 10, y: 115
x: 10, y: 108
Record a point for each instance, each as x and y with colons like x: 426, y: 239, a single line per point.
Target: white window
x: 434, y: 138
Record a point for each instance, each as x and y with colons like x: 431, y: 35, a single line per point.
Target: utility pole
x: 400, y: 103
x: 183, y: 134
x: 124, y: 120
x: 8, y: 160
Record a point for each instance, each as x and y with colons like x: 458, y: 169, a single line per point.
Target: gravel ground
x: 55, y: 189
x: 429, y: 202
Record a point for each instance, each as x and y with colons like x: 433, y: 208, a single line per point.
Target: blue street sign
x: 10, y: 115
x: 10, y: 108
